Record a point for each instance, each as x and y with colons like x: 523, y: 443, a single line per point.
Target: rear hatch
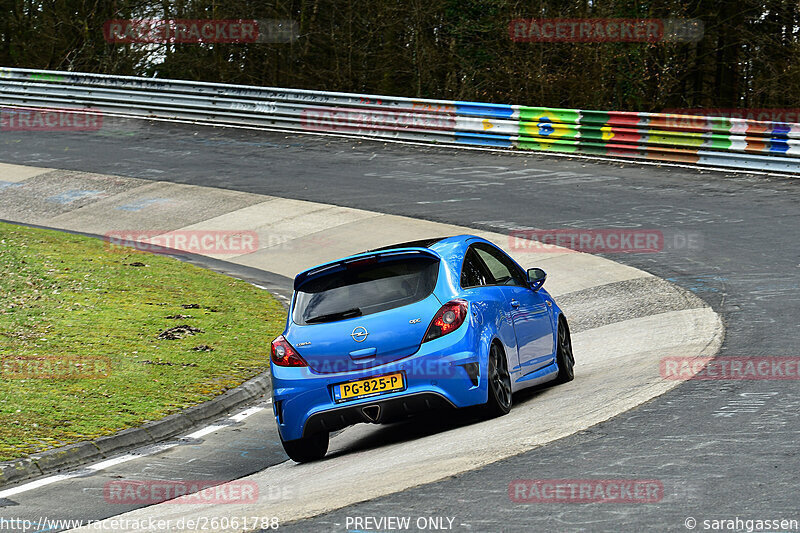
x: 365, y: 311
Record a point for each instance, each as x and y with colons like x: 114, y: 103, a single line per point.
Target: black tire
x: 564, y: 357
x: 307, y: 449
x: 499, y: 401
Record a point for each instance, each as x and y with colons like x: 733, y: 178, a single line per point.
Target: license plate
x: 373, y: 386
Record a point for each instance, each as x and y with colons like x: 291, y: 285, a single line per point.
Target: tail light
x: 449, y: 318
x: 284, y: 355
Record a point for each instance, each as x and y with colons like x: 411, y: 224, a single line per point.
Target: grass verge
x: 80, y: 348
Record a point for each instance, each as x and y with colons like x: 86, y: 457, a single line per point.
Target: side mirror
x: 536, y: 277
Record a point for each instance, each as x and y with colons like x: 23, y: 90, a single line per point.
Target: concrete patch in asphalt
x: 155, y: 207
x: 16, y: 173
x: 282, y: 225
x: 329, y: 242
x: 578, y: 271
x: 40, y: 198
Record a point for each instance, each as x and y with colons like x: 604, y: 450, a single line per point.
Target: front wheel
x: 307, y: 449
x: 564, y: 357
x: 499, y: 401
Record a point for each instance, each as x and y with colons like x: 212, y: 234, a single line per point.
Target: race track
x: 686, y: 438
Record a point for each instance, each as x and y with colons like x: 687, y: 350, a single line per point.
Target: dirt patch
x: 203, y: 348
x: 167, y: 363
x: 178, y: 332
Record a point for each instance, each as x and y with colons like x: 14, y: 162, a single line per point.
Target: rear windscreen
x: 365, y: 288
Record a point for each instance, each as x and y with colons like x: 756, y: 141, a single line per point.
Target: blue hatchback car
x: 379, y: 336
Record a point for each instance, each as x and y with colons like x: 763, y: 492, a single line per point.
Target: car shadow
x: 427, y: 424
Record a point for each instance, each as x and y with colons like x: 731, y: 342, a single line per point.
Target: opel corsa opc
x: 379, y: 336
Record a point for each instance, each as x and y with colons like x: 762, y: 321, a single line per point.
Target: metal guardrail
x: 711, y: 141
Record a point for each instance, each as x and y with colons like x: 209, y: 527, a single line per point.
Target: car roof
x: 437, y: 246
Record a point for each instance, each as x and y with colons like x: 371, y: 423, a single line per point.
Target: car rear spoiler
x: 342, y: 264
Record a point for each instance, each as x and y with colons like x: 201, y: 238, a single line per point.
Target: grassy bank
x: 83, y: 351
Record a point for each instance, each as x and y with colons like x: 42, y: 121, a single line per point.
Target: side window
x: 473, y: 273
x: 502, y: 269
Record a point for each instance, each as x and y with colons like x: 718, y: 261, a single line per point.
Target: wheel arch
x: 559, y: 319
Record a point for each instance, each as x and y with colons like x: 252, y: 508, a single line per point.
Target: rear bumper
x: 446, y: 372
x: 375, y: 412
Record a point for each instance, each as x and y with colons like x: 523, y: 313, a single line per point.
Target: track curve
x: 743, y: 269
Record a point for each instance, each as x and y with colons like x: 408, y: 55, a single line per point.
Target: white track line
x: 36, y: 484
x: 246, y: 413
x: 97, y: 467
x: 128, y: 457
x: 203, y: 432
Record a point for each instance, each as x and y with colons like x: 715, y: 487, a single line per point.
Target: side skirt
x: 542, y: 375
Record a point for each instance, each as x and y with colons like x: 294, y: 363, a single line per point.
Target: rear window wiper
x: 349, y: 313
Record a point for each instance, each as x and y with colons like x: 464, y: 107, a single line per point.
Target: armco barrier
x: 711, y: 141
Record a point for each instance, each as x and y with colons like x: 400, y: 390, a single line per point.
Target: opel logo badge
x: 359, y: 334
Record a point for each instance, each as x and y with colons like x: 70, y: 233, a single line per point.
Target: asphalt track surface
x: 608, y: 305
x: 722, y: 449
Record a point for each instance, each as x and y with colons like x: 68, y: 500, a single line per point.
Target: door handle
x: 514, y: 304
x: 363, y: 354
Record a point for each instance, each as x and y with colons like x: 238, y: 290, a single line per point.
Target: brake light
x: 449, y: 318
x: 284, y: 355
x: 361, y: 262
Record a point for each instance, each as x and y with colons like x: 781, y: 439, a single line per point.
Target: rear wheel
x: 307, y: 449
x: 499, y: 401
x: 564, y: 357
